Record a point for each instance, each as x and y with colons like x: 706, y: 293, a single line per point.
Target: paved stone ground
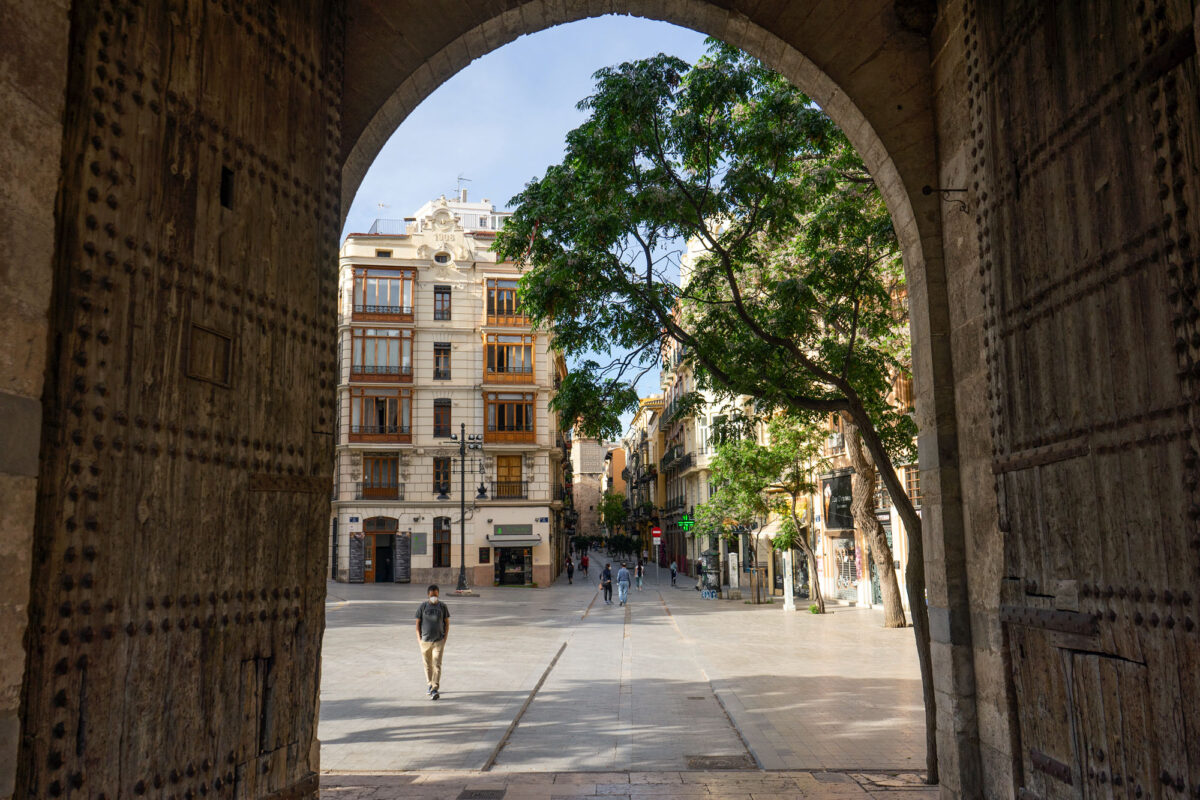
x: 551, y: 693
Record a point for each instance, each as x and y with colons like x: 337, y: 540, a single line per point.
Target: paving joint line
x: 512, y: 726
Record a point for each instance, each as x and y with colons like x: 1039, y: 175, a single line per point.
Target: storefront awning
x: 514, y: 541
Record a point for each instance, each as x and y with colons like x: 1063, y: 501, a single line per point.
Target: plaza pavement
x: 550, y: 693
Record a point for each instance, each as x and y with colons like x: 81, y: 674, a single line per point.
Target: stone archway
x: 174, y: 182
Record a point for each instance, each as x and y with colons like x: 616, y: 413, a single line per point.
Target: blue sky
x: 504, y: 118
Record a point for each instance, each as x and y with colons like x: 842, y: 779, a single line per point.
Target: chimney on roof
x: 462, y: 197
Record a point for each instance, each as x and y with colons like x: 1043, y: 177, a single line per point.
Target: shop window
x: 441, y: 541
x: 441, y: 417
x: 485, y: 555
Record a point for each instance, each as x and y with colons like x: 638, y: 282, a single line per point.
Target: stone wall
x: 33, y: 79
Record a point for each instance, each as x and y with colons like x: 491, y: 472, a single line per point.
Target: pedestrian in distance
x: 583, y: 563
x: 606, y: 584
x: 623, y: 584
x: 570, y: 570
x: 639, y: 572
x: 674, y: 572
x: 433, y: 627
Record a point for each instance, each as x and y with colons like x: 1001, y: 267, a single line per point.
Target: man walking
x: 583, y: 563
x: 674, y: 571
x: 433, y: 627
x: 623, y: 583
x: 639, y: 572
x: 570, y: 570
x: 606, y: 584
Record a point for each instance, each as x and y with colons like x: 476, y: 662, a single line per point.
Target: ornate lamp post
x: 466, y: 442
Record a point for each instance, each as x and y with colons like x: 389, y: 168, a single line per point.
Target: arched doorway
x: 173, y: 248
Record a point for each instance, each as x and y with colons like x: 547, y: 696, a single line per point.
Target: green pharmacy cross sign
x: 687, y: 522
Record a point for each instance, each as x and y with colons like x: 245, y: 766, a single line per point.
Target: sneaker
x: 434, y: 695
x: 430, y: 689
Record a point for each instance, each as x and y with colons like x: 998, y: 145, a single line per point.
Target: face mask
x: 433, y: 599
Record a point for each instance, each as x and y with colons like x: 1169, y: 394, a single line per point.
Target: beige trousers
x: 431, y: 654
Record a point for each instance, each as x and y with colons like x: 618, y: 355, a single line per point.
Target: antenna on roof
x: 383, y: 205
x: 460, y: 192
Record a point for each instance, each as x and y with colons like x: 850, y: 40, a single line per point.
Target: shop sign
x: 836, y: 496
x: 513, y: 530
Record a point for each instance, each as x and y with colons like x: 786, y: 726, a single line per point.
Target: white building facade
x: 436, y: 359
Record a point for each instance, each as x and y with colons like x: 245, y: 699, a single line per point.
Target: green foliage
x: 612, y: 510
x: 793, y: 301
x: 754, y: 481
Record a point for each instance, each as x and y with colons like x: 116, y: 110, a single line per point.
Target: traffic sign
x: 656, y: 532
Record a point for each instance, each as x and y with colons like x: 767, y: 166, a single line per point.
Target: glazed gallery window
x: 381, y: 477
x: 509, y: 412
x: 383, y: 291
x: 441, y: 417
x: 508, y: 356
x: 381, y: 351
x: 441, y: 474
x: 441, y: 361
x: 441, y: 302
x: 380, y: 411
x: 912, y: 484
x: 503, y: 308
x: 441, y: 541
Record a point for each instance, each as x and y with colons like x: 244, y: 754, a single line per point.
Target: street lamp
x: 466, y: 442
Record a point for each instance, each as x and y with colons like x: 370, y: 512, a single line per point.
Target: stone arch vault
x: 172, y: 183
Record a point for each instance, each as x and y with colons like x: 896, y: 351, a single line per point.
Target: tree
x: 792, y: 296
x: 755, y: 481
x: 613, y: 511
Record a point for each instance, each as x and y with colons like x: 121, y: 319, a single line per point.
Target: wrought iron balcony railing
x: 510, y: 490
x: 403, y: 370
x: 377, y: 430
x: 370, y: 309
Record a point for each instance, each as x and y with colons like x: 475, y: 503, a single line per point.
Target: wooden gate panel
x: 1089, y: 274
x: 178, y: 592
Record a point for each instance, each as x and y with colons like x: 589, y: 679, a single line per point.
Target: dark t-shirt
x: 606, y: 576
x: 433, y: 618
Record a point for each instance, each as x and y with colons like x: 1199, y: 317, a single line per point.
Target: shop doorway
x: 514, y: 566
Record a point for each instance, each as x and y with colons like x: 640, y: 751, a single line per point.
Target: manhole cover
x: 720, y: 762
x: 482, y: 794
x: 832, y: 777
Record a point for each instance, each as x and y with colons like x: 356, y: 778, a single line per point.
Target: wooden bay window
x: 510, y: 417
x: 383, y: 294
x: 381, y: 478
x: 380, y: 415
x: 381, y: 354
x: 503, y: 307
x: 508, y: 358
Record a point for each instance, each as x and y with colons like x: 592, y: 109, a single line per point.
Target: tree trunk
x: 863, y: 507
x: 914, y: 576
x: 814, y: 580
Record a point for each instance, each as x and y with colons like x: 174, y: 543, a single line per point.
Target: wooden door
x: 508, y: 476
x: 177, y: 598
x: 369, y: 558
